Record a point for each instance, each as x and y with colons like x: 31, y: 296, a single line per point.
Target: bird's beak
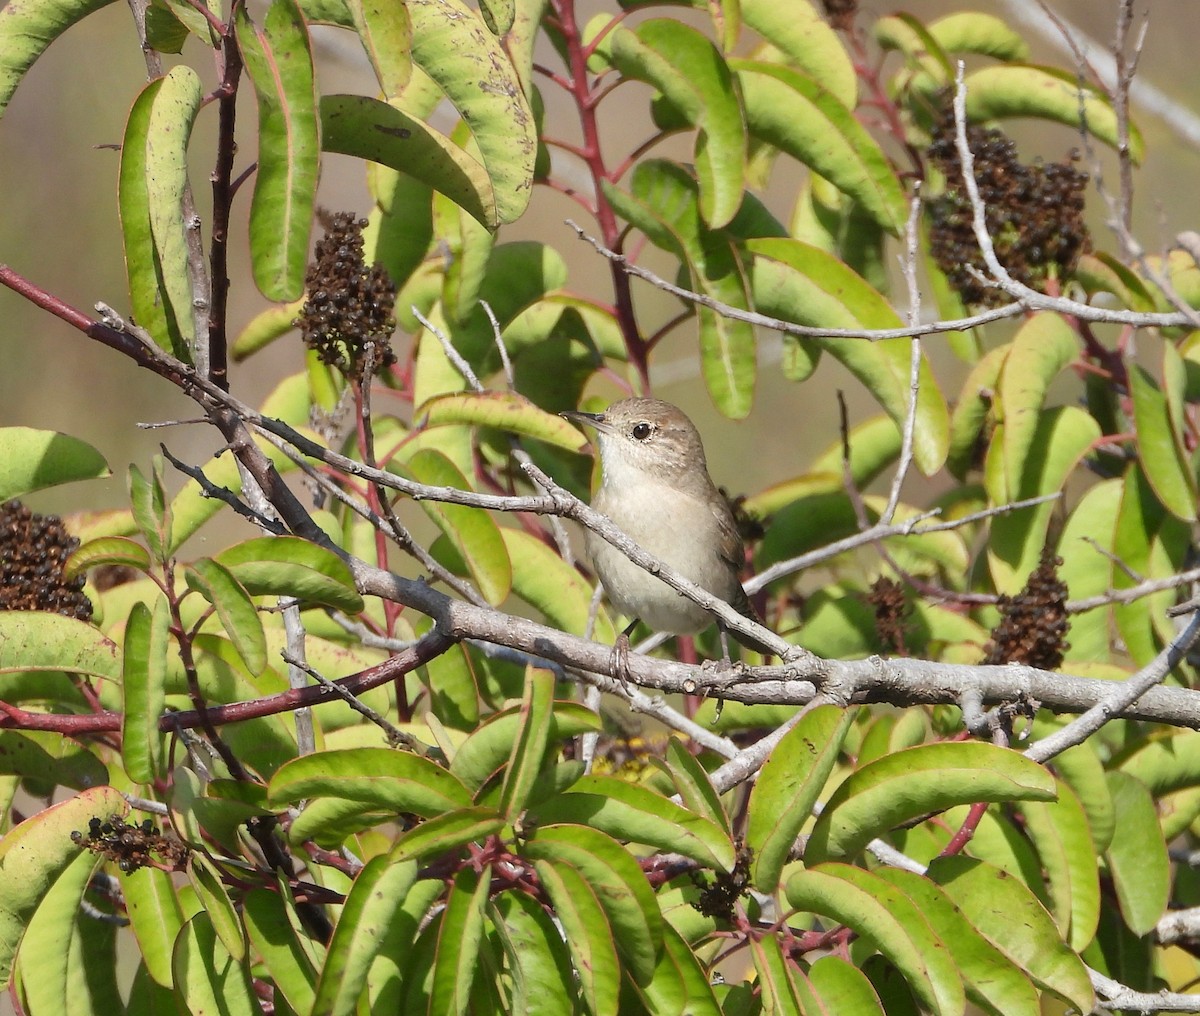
x: 594, y: 420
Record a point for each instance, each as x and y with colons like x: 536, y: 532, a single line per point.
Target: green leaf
x: 378, y: 890
x: 447, y: 832
x: 1011, y: 918
x: 782, y: 799
x: 687, y: 68
x: 806, y: 39
x: 801, y: 283
x: 1060, y: 834
x: 976, y: 32
x: 144, y: 673
x: 588, y: 934
x: 53, y: 967
x: 473, y: 532
x: 536, y: 956
x: 235, y: 609
x: 507, y: 411
x: 632, y: 812
x: 470, y: 66
x: 271, y: 925
x: 369, y: 129
x: 890, y: 920
x: 49, y: 759
x: 1088, y: 572
x: 797, y: 115
x: 264, y: 328
x: 148, y: 502
x: 784, y: 987
x: 1045, y: 345
x: 1011, y: 90
x: 289, y: 566
x: 680, y: 983
x: 27, y: 27
x: 173, y: 109
x: 843, y: 987
x: 207, y: 978
x: 156, y: 915
x: 693, y: 784
x: 545, y: 581
x: 927, y: 778
x: 992, y: 981
x: 386, y: 34
x: 279, y: 63
x: 1063, y: 436
x: 32, y: 640
x: 1160, y: 447
x: 33, y: 856
x: 972, y: 409
x: 214, y: 897
x: 391, y: 780
x: 619, y: 884
x: 107, y: 550
x: 529, y: 746
x: 35, y: 459
x: 488, y: 747
x: 1165, y: 763
x: 457, y: 956
x: 664, y: 204
x: 1137, y: 856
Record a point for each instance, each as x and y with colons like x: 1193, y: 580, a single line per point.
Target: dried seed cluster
x: 33, y: 550
x: 1033, y: 624
x: 840, y: 13
x: 1034, y: 213
x: 891, y: 615
x: 349, y: 305
x: 129, y: 846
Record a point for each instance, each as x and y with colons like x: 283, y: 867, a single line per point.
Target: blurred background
x: 59, y: 227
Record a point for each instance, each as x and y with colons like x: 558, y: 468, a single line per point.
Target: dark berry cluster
x: 33, y: 550
x: 840, y: 13
x: 719, y: 892
x: 1034, y: 213
x: 129, y: 846
x: 891, y: 615
x: 349, y: 305
x: 1033, y: 624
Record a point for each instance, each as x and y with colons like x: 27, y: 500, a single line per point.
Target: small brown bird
x: 656, y: 488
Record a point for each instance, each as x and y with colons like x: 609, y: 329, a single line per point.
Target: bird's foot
x: 619, y: 663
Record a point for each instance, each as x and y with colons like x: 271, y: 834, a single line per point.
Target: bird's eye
x: 641, y: 431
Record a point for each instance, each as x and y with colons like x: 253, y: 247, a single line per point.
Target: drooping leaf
x: 787, y: 788
x: 387, y: 779
x: 27, y: 27
x: 173, y: 109
x: 1011, y: 918
x: 35, y: 459
x: 1137, y: 856
x: 378, y: 890
x: 797, y: 115
x: 143, y: 679
x: 289, y: 566
x: 891, y: 920
x: 35, y: 853
x: 1012, y: 90
x: 34, y: 640
x: 928, y: 778
x: 620, y: 886
x: 279, y: 62
x: 233, y: 606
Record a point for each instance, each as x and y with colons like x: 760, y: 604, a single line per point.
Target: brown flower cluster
x: 33, y: 550
x: 891, y: 615
x: 1034, y: 213
x: 1033, y: 624
x: 349, y: 305
x: 129, y: 846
